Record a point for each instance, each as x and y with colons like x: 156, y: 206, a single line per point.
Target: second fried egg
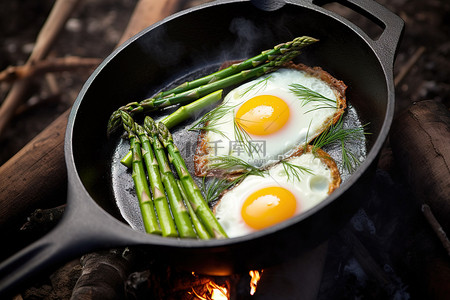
x: 287, y: 189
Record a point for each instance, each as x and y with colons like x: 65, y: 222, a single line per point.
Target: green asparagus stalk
x: 187, y: 111
x: 193, y: 192
x: 127, y: 159
x: 152, y: 103
x: 179, y: 211
x: 193, y: 90
x: 182, y: 114
x: 140, y: 180
x: 255, y: 61
x: 199, y: 227
x: 159, y: 197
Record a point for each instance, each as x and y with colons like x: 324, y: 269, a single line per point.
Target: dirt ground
x: 96, y: 25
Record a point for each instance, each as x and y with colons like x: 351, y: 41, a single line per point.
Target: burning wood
x: 255, y: 277
x: 212, y: 291
x: 164, y: 282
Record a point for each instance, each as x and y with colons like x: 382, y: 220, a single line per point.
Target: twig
x: 55, y: 23
x: 52, y: 83
x: 409, y: 64
x: 436, y: 226
x: 69, y: 63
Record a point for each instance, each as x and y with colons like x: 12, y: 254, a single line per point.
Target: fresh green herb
x: 308, y: 96
x: 307, y: 137
x: 293, y: 171
x: 257, y: 86
x: 349, y: 160
x: 337, y: 133
x: 242, y: 137
x: 211, y: 120
x: 228, y: 162
x: 215, y: 187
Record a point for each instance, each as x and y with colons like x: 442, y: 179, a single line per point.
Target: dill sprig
x: 293, y: 171
x: 214, y: 188
x: 349, y: 160
x: 211, y: 119
x: 308, y: 96
x: 337, y: 133
x: 257, y: 86
x: 242, y: 137
x: 228, y: 162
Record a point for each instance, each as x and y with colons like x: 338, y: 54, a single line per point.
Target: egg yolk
x: 268, y: 206
x: 263, y: 115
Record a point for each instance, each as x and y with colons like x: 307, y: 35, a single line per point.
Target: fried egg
x: 268, y: 117
x: 259, y: 202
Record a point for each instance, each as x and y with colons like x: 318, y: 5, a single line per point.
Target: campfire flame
x: 212, y: 291
x: 255, y: 277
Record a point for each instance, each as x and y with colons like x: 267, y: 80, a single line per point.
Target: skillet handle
x: 22, y: 266
x: 44, y: 255
x: 74, y: 236
x: 393, y: 26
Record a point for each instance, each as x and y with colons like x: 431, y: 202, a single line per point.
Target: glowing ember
x: 218, y: 292
x: 256, y: 276
x: 212, y: 291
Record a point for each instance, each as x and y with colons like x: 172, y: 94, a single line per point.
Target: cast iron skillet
x: 193, y: 40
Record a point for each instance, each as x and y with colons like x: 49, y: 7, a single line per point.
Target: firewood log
x: 420, y: 141
x: 103, y: 275
x: 34, y: 173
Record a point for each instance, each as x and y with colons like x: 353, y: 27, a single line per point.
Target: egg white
x: 304, y: 123
x: 310, y: 190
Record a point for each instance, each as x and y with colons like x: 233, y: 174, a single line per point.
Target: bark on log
x: 32, y: 174
x: 420, y: 141
x: 103, y: 276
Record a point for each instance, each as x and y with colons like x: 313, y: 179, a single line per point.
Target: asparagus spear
x: 194, y: 91
x: 127, y: 159
x: 255, y: 61
x: 193, y: 94
x: 187, y: 111
x: 193, y: 192
x: 182, y: 114
x: 159, y: 198
x: 179, y: 211
x: 140, y: 181
x: 199, y: 227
